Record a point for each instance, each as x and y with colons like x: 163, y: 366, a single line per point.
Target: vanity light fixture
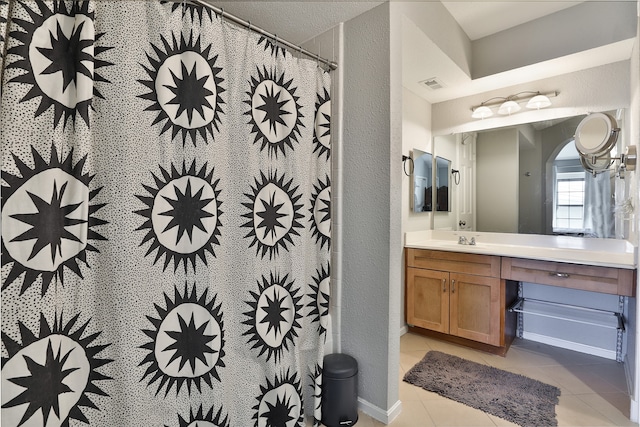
x: 482, y: 112
x: 508, y: 107
x: 511, y: 104
x: 539, y: 101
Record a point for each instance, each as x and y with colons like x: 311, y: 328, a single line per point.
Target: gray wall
x: 372, y: 237
x: 531, y: 190
x: 497, y: 181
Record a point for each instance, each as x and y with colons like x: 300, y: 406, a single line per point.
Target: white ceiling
x: 422, y: 59
x: 300, y: 21
x: 482, y: 18
x: 296, y: 21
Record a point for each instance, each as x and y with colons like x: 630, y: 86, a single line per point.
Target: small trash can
x: 339, y: 390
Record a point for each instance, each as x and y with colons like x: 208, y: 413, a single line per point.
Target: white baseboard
x: 404, y: 330
x: 634, y: 409
x: 570, y: 345
x: 380, y: 414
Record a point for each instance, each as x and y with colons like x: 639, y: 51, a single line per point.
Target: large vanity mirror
x: 530, y: 179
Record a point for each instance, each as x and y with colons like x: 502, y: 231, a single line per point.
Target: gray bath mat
x: 515, y: 398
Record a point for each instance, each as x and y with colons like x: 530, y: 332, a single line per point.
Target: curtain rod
x: 331, y: 64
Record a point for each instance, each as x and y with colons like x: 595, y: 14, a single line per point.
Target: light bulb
x: 508, y: 107
x: 482, y: 112
x: 538, y: 102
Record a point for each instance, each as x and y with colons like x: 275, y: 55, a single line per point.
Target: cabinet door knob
x: 444, y: 285
x: 453, y: 286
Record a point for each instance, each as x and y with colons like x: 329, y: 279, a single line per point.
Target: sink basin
x: 448, y: 244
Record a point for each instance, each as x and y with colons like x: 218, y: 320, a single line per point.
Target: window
x: 569, y: 202
x: 568, y: 191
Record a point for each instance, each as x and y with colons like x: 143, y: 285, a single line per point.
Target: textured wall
x: 396, y: 238
x: 370, y: 305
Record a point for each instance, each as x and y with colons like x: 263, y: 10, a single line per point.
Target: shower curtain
x: 165, y: 219
x: 599, y: 204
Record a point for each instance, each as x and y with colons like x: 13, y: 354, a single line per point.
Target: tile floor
x: 593, y: 390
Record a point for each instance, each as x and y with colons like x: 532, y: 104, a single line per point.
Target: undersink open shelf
x: 570, y: 313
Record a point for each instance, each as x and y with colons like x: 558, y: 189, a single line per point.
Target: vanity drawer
x: 609, y: 280
x: 455, y: 262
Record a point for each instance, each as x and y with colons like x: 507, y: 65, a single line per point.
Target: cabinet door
x: 475, y: 308
x: 428, y: 299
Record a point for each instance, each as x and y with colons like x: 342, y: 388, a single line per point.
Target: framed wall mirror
x: 422, y: 178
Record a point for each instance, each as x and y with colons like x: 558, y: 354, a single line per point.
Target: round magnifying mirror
x: 595, y: 164
x: 596, y: 133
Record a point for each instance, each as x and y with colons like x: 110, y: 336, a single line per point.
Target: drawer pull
x: 444, y: 285
x: 560, y: 275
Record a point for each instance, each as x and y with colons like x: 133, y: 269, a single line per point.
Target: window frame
x: 568, y: 176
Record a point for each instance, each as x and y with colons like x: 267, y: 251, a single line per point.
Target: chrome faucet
x: 462, y: 240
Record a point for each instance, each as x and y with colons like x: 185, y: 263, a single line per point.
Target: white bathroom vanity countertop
x: 576, y: 250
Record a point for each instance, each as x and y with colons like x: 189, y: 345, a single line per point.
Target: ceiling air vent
x: 433, y: 83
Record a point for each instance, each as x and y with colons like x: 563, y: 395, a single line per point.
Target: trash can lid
x: 339, y: 365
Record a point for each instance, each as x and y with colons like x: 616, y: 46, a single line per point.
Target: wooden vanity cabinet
x: 607, y: 280
x: 459, y: 296
x: 428, y: 299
